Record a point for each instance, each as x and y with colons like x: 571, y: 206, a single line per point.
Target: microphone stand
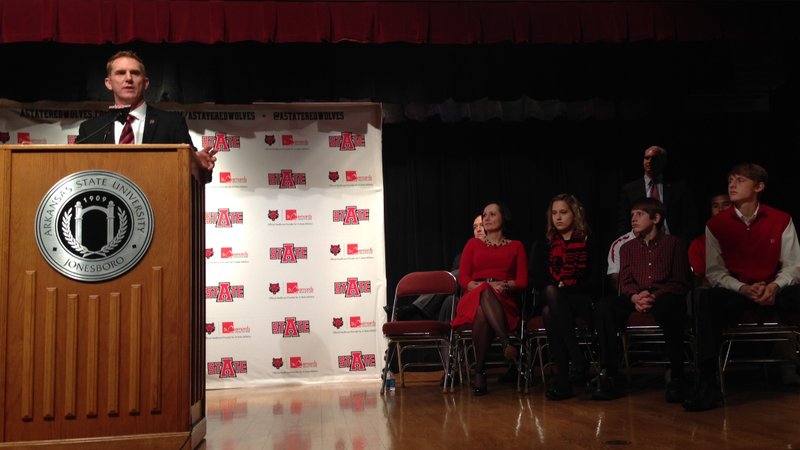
x: 119, y: 115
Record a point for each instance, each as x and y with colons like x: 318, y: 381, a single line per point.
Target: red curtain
x: 464, y: 22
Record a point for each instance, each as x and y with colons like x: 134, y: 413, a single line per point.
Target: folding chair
x: 534, y: 343
x: 757, y: 326
x: 464, y: 351
x: 642, y: 336
x: 419, y: 334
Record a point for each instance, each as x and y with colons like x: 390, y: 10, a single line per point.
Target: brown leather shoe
x: 510, y: 353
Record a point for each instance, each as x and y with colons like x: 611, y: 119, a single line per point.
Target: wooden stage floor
x: 354, y: 415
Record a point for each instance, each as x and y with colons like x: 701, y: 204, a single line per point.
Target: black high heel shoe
x: 479, y: 385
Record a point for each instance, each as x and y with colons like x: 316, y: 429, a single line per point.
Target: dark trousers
x: 559, y: 315
x: 717, y: 308
x: 669, y: 311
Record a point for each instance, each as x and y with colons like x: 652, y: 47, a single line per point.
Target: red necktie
x: 126, y: 137
x: 654, y: 190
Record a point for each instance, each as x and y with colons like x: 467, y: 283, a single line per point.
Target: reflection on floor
x: 355, y: 416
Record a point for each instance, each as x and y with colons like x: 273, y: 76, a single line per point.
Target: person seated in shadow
x: 697, y: 248
x: 752, y: 262
x: 654, y: 278
x: 612, y: 269
x: 491, y: 270
x: 566, y: 277
x: 437, y: 306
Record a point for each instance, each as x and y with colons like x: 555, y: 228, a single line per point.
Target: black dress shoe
x: 479, y: 384
x: 674, y: 393
x: 559, y: 393
x: 705, y: 397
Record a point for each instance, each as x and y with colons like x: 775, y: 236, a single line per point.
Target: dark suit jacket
x: 160, y: 127
x: 681, y: 214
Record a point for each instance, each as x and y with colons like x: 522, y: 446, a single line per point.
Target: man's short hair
x: 749, y: 170
x: 124, y: 54
x: 652, y: 207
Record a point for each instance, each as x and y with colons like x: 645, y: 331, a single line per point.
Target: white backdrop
x: 295, y: 267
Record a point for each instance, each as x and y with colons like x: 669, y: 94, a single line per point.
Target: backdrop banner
x: 295, y: 265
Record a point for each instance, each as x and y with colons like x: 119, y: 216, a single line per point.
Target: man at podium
x: 132, y: 121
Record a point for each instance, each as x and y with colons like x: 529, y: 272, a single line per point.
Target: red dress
x: 480, y: 261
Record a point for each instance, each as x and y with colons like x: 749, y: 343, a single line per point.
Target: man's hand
x: 643, y: 301
x: 767, y: 298
x: 205, y: 158
x: 753, y: 291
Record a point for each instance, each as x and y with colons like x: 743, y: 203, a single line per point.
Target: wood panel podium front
x: 101, y: 343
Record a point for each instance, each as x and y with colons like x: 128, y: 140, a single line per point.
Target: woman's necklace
x: 502, y: 242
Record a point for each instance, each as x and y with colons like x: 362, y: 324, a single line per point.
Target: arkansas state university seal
x: 94, y: 225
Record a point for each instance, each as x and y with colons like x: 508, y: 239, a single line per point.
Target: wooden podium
x: 102, y: 364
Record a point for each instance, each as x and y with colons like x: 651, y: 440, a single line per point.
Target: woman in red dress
x: 491, y: 269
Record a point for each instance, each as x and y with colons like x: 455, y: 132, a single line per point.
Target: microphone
x: 119, y: 114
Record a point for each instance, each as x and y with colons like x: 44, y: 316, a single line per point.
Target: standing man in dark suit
x: 680, y: 213
x: 132, y: 121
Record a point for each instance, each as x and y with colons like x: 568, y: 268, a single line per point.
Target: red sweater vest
x: 753, y: 253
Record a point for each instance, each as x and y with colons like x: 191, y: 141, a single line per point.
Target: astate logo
x: 338, y: 322
x: 225, y: 292
x: 5, y: 136
x: 350, y: 215
x: 94, y: 225
x: 227, y: 368
x: 277, y: 363
x: 269, y: 139
x: 274, y: 288
x: 210, y: 328
x: 352, y: 287
x: 209, y: 253
x: 225, y: 218
x: 335, y: 249
x: 333, y: 176
x: 220, y: 142
x: 291, y: 327
x: 288, y: 253
x: 272, y: 214
x: 286, y: 179
x: 347, y: 141
x: 357, y: 361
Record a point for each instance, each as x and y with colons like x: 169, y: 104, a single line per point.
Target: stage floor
x: 354, y: 415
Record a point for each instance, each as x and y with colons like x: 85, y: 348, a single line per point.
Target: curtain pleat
x: 431, y: 22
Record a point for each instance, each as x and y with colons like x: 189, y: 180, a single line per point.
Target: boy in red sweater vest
x: 752, y: 261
